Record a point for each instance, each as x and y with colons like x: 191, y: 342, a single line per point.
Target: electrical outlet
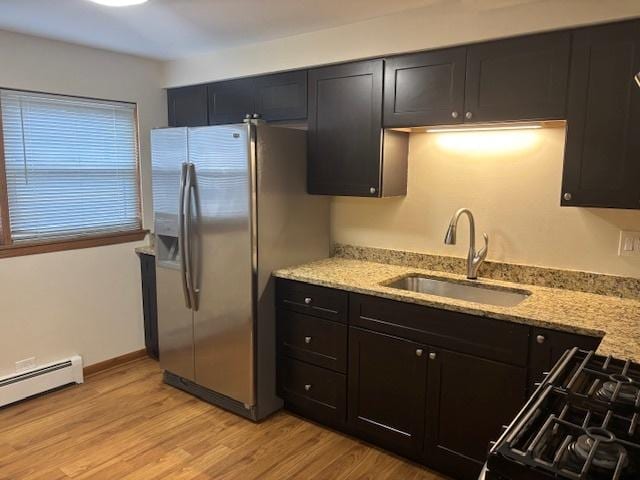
x: 26, y: 364
x: 629, y: 245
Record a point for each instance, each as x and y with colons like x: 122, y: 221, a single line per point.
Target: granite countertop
x: 146, y: 250
x: 617, y: 320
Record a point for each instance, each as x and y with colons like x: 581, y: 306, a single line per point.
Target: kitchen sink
x: 502, y: 297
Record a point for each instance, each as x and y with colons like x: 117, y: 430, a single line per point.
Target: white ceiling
x: 170, y: 29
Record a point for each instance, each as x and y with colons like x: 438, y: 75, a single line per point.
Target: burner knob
x: 540, y: 338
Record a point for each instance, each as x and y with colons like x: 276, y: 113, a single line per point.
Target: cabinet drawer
x: 314, y: 392
x: 483, y: 337
x: 312, y: 300
x: 314, y: 340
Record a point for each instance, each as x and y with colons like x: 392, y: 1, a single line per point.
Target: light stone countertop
x: 146, y: 250
x: 617, y: 319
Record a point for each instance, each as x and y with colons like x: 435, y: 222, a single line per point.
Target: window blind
x: 71, y: 166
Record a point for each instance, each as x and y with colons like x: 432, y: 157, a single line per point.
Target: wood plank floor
x: 126, y: 424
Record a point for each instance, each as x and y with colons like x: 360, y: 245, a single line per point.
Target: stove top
x: 580, y: 424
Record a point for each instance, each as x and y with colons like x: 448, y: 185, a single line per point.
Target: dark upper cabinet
x: 425, y: 88
x: 468, y: 399
x: 547, y: 346
x: 282, y: 96
x: 521, y: 78
x: 345, y: 119
x: 601, y: 163
x: 386, y: 390
x: 230, y: 101
x: 187, y: 106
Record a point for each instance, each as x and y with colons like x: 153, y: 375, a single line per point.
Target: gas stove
x: 580, y: 424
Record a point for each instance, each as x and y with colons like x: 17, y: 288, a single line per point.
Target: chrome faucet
x: 474, y: 260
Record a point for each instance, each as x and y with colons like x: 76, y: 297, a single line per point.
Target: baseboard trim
x: 113, y: 362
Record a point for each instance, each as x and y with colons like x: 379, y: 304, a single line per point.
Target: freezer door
x: 223, y: 257
x: 175, y: 319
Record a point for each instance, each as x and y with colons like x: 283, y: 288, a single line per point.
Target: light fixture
x: 484, y: 127
x: 118, y: 3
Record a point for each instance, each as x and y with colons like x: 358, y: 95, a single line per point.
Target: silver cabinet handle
x: 468, y: 115
x: 307, y: 340
x: 308, y: 300
x: 540, y: 338
x: 567, y: 196
x: 419, y: 352
x: 454, y: 114
x: 307, y: 387
x: 372, y: 190
x: 432, y: 356
x: 181, y: 237
x: 637, y: 78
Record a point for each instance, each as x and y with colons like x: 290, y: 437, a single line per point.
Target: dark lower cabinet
x: 387, y: 388
x: 314, y: 392
x: 425, y: 88
x: 231, y: 100
x: 187, y: 106
x: 149, y: 304
x: 468, y: 400
x: 522, y: 78
x: 433, y: 385
x: 601, y: 166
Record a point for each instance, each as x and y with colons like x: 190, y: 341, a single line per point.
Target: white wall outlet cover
x: 629, y: 245
x: 26, y: 364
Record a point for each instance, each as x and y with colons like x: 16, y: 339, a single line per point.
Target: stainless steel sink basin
x: 502, y: 297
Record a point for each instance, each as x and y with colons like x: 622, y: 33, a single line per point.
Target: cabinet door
x: 518, y: 78
x: 387, y: 386
x: 282, y: 96
x: 149, y: 306
x: 345, y: 120
x: 601, y: 166
x: 547, y: 346
x: 469, y: 398
x: 231, y: 100
x: 425, y: 88
x: 187, y: 106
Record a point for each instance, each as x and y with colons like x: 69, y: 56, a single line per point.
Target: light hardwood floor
x: 125, y: 423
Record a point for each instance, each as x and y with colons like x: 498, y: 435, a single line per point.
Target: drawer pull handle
x: 433, y: 356
x: 419, y: 352
x: 540, y: 339
x: 308, y: 300
x: 307, y: 387
x: 307, y: 340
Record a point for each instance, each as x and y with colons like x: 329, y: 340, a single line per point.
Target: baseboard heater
x: 39, y: 380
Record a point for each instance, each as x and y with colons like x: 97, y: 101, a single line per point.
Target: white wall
x: 447, y: 22
x: 511, y: 182
x: 83, y: 301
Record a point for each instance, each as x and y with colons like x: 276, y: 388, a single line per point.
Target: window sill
x: 71, y: 244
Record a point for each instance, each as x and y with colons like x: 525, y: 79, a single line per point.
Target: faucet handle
x: 482, y: 254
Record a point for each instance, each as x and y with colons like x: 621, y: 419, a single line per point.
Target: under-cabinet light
x: 483, y: 128
x: 118, y: 3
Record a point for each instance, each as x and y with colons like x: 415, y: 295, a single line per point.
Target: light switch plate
x: 629, y: 245
x: 26, y: 364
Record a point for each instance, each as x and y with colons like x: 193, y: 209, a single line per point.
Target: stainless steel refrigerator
x: 230, y: 206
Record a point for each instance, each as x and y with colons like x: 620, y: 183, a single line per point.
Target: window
x: 69, y: 170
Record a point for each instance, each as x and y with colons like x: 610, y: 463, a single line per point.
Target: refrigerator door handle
x: 181, y: 237
x: 189, y: 189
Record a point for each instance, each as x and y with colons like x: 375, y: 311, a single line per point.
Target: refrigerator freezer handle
x: 181, y: 236
x: 189, y: 187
